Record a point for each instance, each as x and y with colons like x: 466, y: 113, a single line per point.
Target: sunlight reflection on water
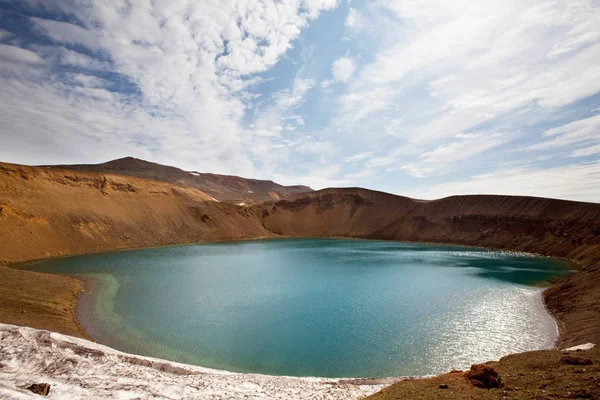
x: 316, y: 307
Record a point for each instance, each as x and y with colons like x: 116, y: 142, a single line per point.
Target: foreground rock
x: 79, y: 369
x: 483, y: 377
x: 40, y: 388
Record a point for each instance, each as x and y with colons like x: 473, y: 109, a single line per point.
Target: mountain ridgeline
x: 54, y: 211
x: 227, y: 188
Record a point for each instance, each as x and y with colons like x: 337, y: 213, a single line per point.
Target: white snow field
x: 80, y: 369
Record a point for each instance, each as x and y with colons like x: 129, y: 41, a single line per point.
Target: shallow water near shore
x: 315, y: 307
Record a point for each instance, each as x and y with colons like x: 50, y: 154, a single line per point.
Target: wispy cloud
x: 359, y: 157
x: 586, y: 151
x: 463, y: 147
x: 186, y: 68
x: 399, y: 96
x: 582, y: 131
x: 575, y: 182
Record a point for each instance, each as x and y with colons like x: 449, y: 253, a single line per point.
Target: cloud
x: 17, y: 54
x: 574, y: 182
x: 395, y: 94
x: 352, y: 20
x: 343, y: 69
x: 457, y: 65
x: 4, y: 34
x: 326, y: 83
x: 358, y: 157
x: 463, y: 147
x: 65, y: 32
x: 587, y: 151
x: 583, y: 130
x: 177, y: 80
x: 318, y: 177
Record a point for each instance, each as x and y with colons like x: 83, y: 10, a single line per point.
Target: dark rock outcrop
x: 40, y: 388
x: 482, y: 376
x: 571, y: 360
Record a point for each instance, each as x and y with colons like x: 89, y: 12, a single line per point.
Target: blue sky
x: 419, y: 98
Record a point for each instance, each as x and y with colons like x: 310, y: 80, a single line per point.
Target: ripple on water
x: 316, y: 307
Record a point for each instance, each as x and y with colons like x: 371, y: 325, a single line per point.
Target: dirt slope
x: 538, y: 375
x: 227, y: 188
x: 552, y: 227
x: 49, y: 212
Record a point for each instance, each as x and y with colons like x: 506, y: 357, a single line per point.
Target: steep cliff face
x: 50, y: 212
x: 551, y: 227
x: 227, y: 188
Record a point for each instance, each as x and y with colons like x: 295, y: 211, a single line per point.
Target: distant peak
x: 128, y: 158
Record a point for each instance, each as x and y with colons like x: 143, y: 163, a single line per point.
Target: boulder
x: 40, y: 388
x: 482, y: 376
x: 570, y: 360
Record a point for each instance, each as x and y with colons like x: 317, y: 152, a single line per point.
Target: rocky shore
x: 79, y: 369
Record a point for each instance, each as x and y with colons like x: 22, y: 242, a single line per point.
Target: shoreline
x: 572, y: 264
x: 82, y: 369
x: 85, y: 285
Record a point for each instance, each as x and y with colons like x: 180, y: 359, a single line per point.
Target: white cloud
x: 425, y: 84
x: 17, y: 54
x: 89, y: 80
x: 314, y: 6
x: 267, y: 148
x: 4, y: 34
x: 192, y: 63
x: 583, y: 130
x: 326, y: 83
x: 587, y: 151
x: 572, y: 182
x: 65, y: 32
x: 478, y: 60
x: 319, y: 177
x: 445, y: 157
x: 352, y: 20
x: 343, y: 69
x: 358, y: 157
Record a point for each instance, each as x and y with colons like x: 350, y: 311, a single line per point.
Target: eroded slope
x: 228, y: 188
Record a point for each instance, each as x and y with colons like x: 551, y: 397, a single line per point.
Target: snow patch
x: 587, y: 346
x: 194, y: 173
x: 80, y: 369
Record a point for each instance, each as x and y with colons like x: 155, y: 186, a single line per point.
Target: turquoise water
x: 315, y: 307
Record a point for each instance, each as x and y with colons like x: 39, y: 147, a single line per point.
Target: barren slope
x: 232, y: 189
x: 552, y: 227
x: 49, y: 212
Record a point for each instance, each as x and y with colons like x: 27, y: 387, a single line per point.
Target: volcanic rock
x: 40, y: 388
x: 482, y: 376
x: 575, y: 360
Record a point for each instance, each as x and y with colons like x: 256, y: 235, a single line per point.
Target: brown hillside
x: 552, y: 227
x: 48, y: 212
x: 227, y: 188
x: 51, y: 212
